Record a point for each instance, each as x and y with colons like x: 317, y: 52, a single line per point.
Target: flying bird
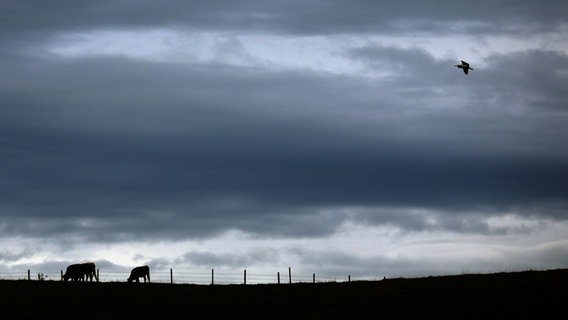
x: 465, y: 66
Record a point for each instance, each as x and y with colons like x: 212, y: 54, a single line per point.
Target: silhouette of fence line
x: 183, y: 277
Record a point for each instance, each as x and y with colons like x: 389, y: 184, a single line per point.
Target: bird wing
x: 465, y: 70
x: 465, y: 64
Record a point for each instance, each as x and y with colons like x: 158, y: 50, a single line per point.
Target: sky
x: 329, y: 137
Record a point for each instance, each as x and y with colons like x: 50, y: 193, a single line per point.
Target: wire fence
x: 184, y: 277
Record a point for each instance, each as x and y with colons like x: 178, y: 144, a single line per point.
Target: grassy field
x: 527, y: 295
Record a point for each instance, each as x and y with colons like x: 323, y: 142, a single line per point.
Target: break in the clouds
x: 326, y: 135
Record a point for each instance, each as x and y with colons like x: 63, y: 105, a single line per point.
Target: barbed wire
x: 182, y: 277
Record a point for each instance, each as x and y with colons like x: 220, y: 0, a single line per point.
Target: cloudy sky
x: 332, y: 137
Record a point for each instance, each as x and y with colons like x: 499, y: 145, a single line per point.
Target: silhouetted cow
x: 139, y: 272
x: 80, y: 272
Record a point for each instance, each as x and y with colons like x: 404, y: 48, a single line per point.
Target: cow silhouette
x: 139, y: 272
x: 80, y: 272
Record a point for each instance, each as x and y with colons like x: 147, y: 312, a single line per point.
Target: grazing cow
x: 90, y: 271
x: 139, y: 272
x: 80, y: 272
x: 73, y: 272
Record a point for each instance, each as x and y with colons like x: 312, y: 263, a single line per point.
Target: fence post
x: 97, y: 278
x: 61, y: 275
x: 245, y: 276
x: 289, y: 275
x: 278, y: 274
x: 349, y: 278
x: 171, y: 275
x: 314, y: 278
x: 29, y: 278
x: 212, y: 276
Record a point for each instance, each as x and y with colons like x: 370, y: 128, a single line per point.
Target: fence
x: 210, y: 277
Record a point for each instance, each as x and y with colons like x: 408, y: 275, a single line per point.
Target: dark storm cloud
x: 116, y: 149
x: 38, y: 18
x: 166, y: 152
x: 541, y: 81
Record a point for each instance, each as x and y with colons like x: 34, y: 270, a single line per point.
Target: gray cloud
x: 174, y: 150
x: 8, y: 255
x: 36, y: 20
x: 108, y: 148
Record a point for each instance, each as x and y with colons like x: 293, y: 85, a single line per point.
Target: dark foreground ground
x: 516, y: 295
